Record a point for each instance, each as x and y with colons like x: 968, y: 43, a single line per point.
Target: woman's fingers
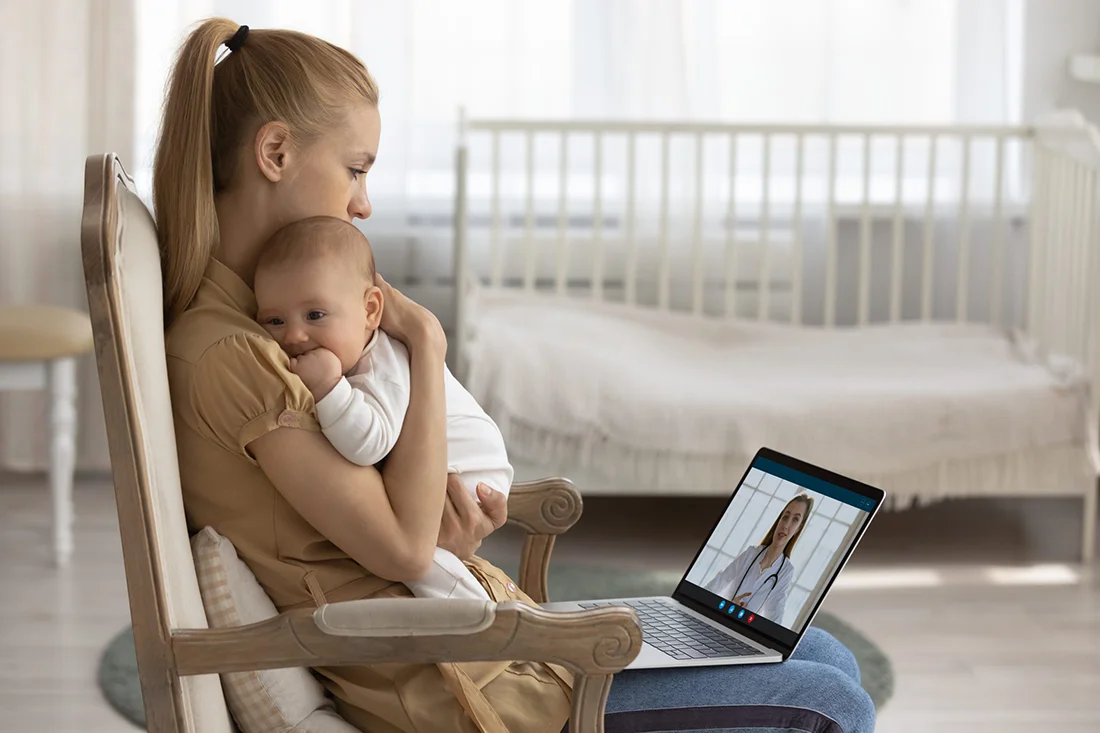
x: 463, y: 503
x: 494, y: 504
x: 408, y: 321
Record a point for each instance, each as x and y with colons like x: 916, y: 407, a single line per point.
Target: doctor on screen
x: 760, y: 577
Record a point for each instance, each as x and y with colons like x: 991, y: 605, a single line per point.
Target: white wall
x: 1053, y: 31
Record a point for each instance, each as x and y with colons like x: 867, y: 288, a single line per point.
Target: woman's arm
x: 389, y: 528
x: 719, y: 584
x: 349, y: 504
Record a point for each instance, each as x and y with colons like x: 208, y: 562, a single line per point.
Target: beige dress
x: 230, y: 385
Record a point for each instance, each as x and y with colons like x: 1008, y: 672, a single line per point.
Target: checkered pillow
x: 285, y: 700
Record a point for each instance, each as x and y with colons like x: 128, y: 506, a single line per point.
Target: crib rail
x: 1063, y: 313
x: 822, y: 225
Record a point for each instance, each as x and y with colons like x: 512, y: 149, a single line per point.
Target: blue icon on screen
x: 721, y: 605
x: 741, y: 613
x: 732, y: 608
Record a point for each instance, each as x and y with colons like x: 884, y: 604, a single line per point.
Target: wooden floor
x: 989, y: 621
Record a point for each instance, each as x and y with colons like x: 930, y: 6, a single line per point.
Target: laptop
x: 761, y: 575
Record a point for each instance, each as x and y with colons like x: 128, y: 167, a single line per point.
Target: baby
x: 317, y: 298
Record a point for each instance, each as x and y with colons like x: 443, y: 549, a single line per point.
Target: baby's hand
x: 319, y: 369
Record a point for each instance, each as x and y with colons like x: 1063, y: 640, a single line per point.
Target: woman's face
x: 330, y: 177
x: 789, y: 522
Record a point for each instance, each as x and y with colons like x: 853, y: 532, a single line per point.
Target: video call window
x: 830, y: 528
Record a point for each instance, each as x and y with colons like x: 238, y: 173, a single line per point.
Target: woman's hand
x: 465, y: 524
x: 408, y: 321
x: 742, y: 599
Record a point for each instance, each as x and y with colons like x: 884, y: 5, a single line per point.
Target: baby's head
x: 315, y: 288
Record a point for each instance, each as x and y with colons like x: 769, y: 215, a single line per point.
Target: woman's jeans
x: 817, y: 690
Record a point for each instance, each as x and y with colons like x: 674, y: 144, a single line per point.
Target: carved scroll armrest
x: 593, y: 644
x: 544, y: 509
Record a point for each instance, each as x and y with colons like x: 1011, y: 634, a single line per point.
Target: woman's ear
x: 273, y: 150
x: 372, y: 304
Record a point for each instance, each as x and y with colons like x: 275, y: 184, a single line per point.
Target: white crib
x: 640, y: 306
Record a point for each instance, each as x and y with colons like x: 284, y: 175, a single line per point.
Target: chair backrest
x: 122, y: 274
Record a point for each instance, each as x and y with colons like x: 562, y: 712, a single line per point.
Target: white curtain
x: 80, y: 77
x: 66, y: 85
x: 864, y: 61
x: 869, y: 61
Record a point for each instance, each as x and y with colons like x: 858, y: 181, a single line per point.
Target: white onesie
x: 362, y: 417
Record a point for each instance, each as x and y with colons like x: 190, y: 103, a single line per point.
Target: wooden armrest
x: 546, y: 506
x: 592, y: 644
x: 544, y: 509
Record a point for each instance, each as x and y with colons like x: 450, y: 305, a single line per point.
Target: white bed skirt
x: 633, y: 402
x: 611, y: 470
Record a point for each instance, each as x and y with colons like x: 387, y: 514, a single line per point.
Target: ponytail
x: 183, y: 177
x: 283, y: 75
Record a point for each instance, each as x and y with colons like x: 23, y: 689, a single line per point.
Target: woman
x: 759, y: 579
x: 284, y: 127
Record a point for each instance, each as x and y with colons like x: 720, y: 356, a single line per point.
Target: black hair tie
x: 238, y: 39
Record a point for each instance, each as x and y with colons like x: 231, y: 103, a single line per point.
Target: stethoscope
x: 774, y: 577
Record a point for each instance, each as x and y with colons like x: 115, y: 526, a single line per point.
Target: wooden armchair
x: 178, y: 655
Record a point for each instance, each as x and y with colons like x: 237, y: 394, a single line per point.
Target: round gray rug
x: 118, y: 675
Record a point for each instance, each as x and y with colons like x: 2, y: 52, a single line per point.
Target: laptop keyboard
x: 678, y: 634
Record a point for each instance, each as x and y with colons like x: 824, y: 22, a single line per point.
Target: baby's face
x: 318, y: 305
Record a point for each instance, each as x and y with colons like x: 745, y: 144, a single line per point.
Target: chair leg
x: 589, y: 702
x: 62, y: 385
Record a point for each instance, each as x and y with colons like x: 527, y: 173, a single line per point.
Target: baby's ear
x: 372, y: 304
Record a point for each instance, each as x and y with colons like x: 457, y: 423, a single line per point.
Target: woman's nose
x: 360, y: 207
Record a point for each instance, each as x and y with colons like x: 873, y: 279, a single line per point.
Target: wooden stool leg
x: 62, y: 384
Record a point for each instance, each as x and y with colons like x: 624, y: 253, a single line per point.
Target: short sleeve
x: 243, y: 388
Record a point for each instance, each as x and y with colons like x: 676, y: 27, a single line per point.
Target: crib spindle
x: 663, y: 267
x: 529, y: 217
x: 731, y: 233
x: 1051, y: 251
x: 1055, y: 246
x: 495, y: 255
x: 1090, y: 270
x: 1092, y: 267
x: 796, y: 233
x: 896, y: 247
x: 1060, y: 242
x: 561, y: 274
x: 1079, y: 262
x: 1064, y: 236
x: 997, y: 267
x: 865, y: 236
x: 929, y: 242
x: 764, y: 277
x: 631, y: 242
x: 962, y: 281
x: 1037, y: 239
x: 697, y: 232
x: 597, y: 223
x: 830, y: 239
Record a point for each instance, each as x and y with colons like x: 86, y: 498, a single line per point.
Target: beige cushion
x: 407, y: 617
x: 42, y: 332
x: 290, y: 700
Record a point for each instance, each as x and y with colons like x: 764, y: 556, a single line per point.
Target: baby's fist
x: 319, y: 369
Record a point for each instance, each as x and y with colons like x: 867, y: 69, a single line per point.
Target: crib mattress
x: 670, y: 403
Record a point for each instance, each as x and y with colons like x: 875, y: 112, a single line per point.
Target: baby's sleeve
x: 243, y: 389
x: 363, y: 420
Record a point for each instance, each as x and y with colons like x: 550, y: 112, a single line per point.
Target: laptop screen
x: 781, y: 541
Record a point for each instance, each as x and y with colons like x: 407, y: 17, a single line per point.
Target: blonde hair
x: 318, y: 236
x: 210, y: 109
x: 770, y: 537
